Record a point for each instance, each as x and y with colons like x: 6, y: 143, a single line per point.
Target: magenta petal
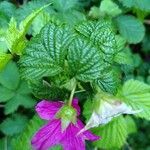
x: 88, y: 135
x: 47, y: 110
x: 76, y: 106
x: 48, y: 136
x: 71, y: 141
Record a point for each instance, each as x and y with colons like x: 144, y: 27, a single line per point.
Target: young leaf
x: 15, y: 38
x: 24, y: 140
x: 84, y: 60
x: 137, y: 95
x: 45, y: 54
x: 130, y: 28
x: 13, y: 125
x: 4, y: 59
x: 113, y: 134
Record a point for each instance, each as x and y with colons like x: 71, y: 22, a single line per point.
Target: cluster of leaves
x: 96, y: 44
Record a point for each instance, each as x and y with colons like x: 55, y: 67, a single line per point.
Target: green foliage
x: 101, y: 35
x: 143, y: 5
x: 96, y: 44
x: 108, y: 81
x: 14, y: 92
x: 4, y: 58
x: 84, y: 70
x: 137, y: 95
x: 130, y: 28
x: 7, y: 9
x: 24, y: 140
x: 113, y: 134
x: 14, y: 125
x: 108, y: 7
x: 131, y: 125
x: 49, y: 57
x: 15, y: 38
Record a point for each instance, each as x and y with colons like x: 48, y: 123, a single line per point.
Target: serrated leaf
x: 4, y: 59
x: 113, y: 134
x: 137, y: 95
x: 124, y: 58
x: 84, y: 60
x: 19, y: 100
x: 15, y: 37
x: 13, y: 125
x: 43, y: 90
x: 101, y: 35
x: 110, y: 8
x: 25, y: 24
x: 130, y: 28
x: 24, y: 140
x: 108, y: 81
x: 5, y: 94
x: 9, y: 77
x: 45, y: 54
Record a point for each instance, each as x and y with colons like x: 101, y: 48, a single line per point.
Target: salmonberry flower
x: 63, y: 127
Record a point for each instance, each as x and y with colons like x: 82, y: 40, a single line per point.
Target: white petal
x: 107, y: 111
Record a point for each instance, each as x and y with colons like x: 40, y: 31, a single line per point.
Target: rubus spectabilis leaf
x: 137, y: 95
x: 101, y: 35
x: 45, y: 54
x: 84, y: 60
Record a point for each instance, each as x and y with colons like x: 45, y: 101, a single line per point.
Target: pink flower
x: 52, y: 133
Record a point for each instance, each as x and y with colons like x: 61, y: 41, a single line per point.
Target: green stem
x: 71, y: 95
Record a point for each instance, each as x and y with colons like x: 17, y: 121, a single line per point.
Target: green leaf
x: 131, y: 125
x: 26, y: 23
x: 113, y: 134
x: 130, y: 28
x: 13, y: 125
x: 110, y: 8
x: 45, y: 54
x: 19, y: 100
x: 100, y: 34
x: 88, y: 109
x: 63, y: 6
x: 120, y: 42
x: 5, y: 94
x: 108, y: 81
x: 124, y: 58
x: 137, y: 95
x: 24, y: 140
x: 57, y: 147
x: 43, y: 90
x: 5, y: 143
x: 4, y: 59
x: 15, y: 38
x: 143, y: 5
x: 7, y: 10
x: 9, y: 76
x: 84, y: 60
